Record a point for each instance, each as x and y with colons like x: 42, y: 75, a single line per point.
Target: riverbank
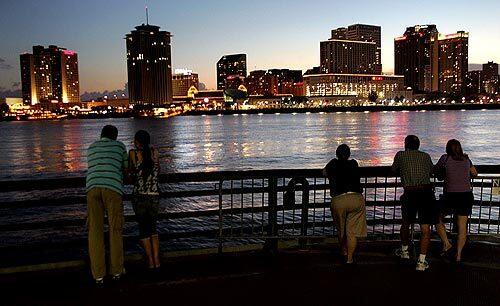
x: 333, y: 109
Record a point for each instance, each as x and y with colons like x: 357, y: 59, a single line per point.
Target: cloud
x: 3, y: 65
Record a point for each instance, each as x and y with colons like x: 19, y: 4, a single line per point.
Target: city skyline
x: 198, y: 43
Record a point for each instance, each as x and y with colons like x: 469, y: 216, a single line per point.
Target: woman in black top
x: 348, y: 204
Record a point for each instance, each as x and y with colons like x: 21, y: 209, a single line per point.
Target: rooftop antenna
x: 147, y: 16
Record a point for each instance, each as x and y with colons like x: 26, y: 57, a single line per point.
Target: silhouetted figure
x: 456, y: 169
x: 107, y: 160
x: 144, y: 167
x: 348, y: 204
x: 415, y: 169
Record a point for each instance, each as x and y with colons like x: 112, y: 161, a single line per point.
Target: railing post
x: 221, y: 225
x: 304, y: 213
x: 272, y: 217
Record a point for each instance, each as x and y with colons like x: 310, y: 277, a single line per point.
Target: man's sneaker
x: 422, y: 265
x: 99, y: 282
x: 402, y: 254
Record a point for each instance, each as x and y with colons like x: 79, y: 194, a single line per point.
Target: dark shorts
x: 458, y: 203
x: 421, y: 203
x: 146, y: 209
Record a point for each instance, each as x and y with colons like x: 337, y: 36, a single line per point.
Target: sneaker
x: 422, y: 265
x: 99, y: 282
x: 402, y: 254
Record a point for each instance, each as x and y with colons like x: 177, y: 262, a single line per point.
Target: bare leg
x: 156, y: 250
x: 425, y: 239
x: 441, y: 230
x: 405, y: 233
x: 147, y: 245
x: 462, y: 235
x: 351, y: 247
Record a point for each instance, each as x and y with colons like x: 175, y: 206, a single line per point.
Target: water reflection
x: 52, y: 148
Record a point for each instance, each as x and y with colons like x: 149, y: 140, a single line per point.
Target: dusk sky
x: 273, y: 34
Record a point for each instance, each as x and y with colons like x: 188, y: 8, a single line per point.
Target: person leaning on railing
x: 348, y: 204
x: 107, y: 160
x: 456, y: 169
x: 415, y: 168
x: 144, y: 168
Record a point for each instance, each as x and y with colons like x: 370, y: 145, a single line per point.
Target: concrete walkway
x: 290, y: 277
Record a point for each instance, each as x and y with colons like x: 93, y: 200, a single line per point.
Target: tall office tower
x: 50, y: 74
x: 369, y: 33
x: 182, y: 80
x: 413, y: 57
x: 231, y: 71
x: 453, y: 60
x: 149, y: 66
x: 348, y: 56
x: 491, y: 78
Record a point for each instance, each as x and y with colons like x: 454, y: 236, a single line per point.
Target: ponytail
x: 147, y: 160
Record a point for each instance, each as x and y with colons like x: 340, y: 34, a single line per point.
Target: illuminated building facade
x: 491, y: 78
x: 413, y: 57
x: 474, y: 82
x: 363, y: 32
x: 346, y: 56
x: 275, y: 82
x: 353, y: 85
x: 182, y: 80
x: 231, y: 71
x: 453, y: 60
x: 50, y: 75
x: 149, y: 66
x: 432, y: 62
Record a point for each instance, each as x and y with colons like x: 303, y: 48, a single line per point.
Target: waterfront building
x: 231, y: 71
x: 453, y: 60
x: 50, y: 75
x: 363, y: 32
x: 352, y: 85
x: 413, y: 60
x: 491, y: 79
x: 183, y: 80
x: 474, y: 82
x: 346, y: 56
x: 430, y: 61
x: 275, y: 82
x: 149, y: 65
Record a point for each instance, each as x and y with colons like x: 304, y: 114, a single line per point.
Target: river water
x: 42, y: 149
x: 208, y: 143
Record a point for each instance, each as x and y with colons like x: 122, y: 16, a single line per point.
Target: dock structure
x: 247, y: 237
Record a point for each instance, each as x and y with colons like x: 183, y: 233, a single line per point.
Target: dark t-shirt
x: 343, y: 176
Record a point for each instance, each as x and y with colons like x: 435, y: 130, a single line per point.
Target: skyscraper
x: 231, y: 71
x: 50, y: 74
x: 363, y: 32
x: 413, y: 57
x: 149, y: 66
x: 453, y: 60
x: 354, y: 49
x: 491, y: 78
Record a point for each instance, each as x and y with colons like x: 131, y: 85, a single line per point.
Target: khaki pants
x: 100, y: 201
x: 349, y: 215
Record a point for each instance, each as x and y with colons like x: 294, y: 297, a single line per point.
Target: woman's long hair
x: 147, y: 164
x: 454, y: 150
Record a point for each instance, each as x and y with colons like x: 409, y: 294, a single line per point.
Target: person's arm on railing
x: 473, y: 170
x: 395, y: 164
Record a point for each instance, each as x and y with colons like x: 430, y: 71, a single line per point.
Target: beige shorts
x: 349, y: 214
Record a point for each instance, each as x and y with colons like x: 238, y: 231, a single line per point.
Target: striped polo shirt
x: 106, y: 160
x: 414, y: 167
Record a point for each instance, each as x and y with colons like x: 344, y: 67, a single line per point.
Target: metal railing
x: 227, y: 207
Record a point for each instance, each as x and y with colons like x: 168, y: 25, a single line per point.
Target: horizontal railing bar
x: 200, y: 213
x: 79, y: 182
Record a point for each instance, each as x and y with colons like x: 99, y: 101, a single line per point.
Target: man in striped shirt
x: 107, y: 159
x: 415, y: 169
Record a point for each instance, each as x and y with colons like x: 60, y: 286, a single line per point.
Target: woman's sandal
x: 446, y: 253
